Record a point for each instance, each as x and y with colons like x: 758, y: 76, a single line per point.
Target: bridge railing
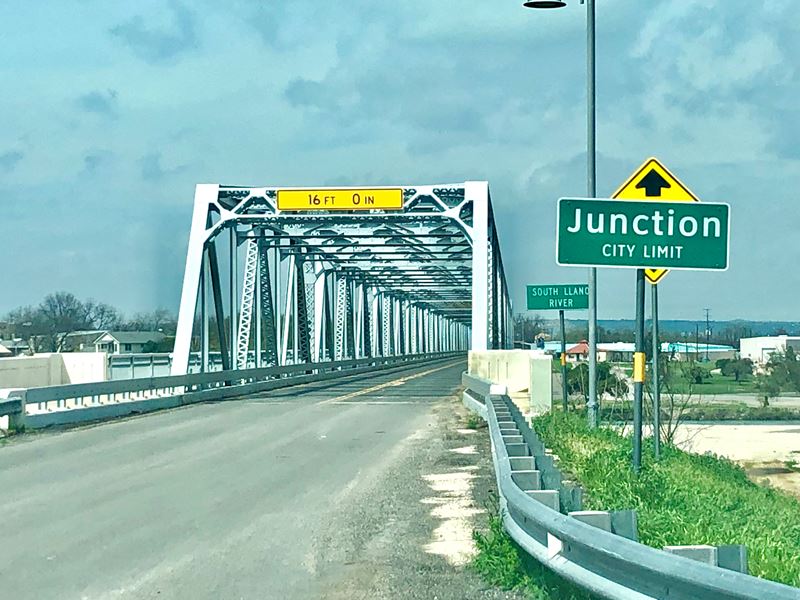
x: 582, y: 546
x: 74, y: 403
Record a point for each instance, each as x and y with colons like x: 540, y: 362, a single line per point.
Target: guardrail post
x: 527, y: 480
x: 701, y: 552
x: 733, y: 557
x: 547, y: 497
x: 625, y: 523
x: 596, y: 518
x: 16, y: 421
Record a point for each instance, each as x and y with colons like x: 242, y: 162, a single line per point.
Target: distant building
x: 623, y: 351
x: 126, y: 342
x: 759, y: 349
x: 14, y: 347
x: 616, y: 351
x: 580, y: 352
x: 81, y: 341
x: 692, y: 351
x: 609, y: 351
x: 553, y: 348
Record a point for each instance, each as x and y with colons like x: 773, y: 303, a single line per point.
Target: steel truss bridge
x: 267, y: 287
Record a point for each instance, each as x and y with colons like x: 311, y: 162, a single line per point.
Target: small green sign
x: 574, y: 296
x: 642, y: 234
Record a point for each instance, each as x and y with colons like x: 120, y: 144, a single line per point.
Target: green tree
x: 768, y: 387
x: 781, y: 373
x: 694, y: 373
x: 739, y: 369
x: 165, y: 345
x: 610, y: 380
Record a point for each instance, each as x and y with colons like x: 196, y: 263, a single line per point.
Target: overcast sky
x: 112, y: 112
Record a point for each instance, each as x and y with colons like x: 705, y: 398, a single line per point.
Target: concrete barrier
x: 41, y: 370
x: 527, y: 375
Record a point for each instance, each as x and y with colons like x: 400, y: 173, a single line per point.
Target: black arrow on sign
x: 652, y: 183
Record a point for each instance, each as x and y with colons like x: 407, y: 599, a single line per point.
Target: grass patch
x: 474, y: 421
x: 502, y: 563
x: 717, y: 384
x: 684, y: 499
x: 623, y: 411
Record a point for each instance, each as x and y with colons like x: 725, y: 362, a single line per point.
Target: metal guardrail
x: 604, y: 563
x: 35, y: 408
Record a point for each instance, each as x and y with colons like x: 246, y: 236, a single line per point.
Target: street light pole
x: 591, y: 189
x: 591, y: 185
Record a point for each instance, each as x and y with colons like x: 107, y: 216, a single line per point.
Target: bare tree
x: 159, y: 319
x: 101, y: 315
x: 527, y: 328
x: 675, y: 404
x: 47, y: 325
x: 61, y: 313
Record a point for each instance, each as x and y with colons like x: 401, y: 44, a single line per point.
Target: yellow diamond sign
x: 653, y: 181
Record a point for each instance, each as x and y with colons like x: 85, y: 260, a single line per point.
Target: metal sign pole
x: 591, y: 156
x: 638, y: 373
x: 563, y: 361
x: 656, y: 383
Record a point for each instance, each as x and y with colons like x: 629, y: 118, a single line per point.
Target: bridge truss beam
x: 265, y: 287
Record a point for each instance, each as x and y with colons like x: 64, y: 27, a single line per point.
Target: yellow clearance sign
x: 352, y: 199
x: 653, y: 181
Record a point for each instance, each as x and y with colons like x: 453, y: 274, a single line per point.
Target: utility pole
x: 708, y: 330
x: 697, y: 342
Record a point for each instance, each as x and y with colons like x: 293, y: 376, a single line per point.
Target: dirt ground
x: 769, y: 453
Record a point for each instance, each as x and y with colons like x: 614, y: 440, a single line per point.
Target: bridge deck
x: 312, y: 491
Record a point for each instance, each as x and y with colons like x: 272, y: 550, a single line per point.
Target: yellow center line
x: 394, y: 382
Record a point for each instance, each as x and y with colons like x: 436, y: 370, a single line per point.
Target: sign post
x: 653, y: 181
x: 564, y: 394
x: 563, y: 297
x: 638, y: 373
x: 654, y: 223
x: 656, y: 385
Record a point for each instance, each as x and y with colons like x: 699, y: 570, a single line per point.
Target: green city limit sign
x: 642, y: 234
x: 562, y: 297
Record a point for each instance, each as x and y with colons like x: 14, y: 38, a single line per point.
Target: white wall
x: 506, y: 367
x: 52, y: 369
x: 759, y: 349
x: 525, y: 373
x: 83, y: 367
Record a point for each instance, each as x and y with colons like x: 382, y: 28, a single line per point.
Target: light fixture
x: 544, y: 4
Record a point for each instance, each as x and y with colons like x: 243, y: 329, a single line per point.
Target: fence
x: 596, y: 550
x: 133, y: 366
x: 68, y: 404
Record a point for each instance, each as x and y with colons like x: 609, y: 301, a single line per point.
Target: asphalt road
x: 316, y: 491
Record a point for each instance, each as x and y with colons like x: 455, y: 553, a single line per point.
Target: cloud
x: 100, y: 103
x: 152, y: 169
x: 303, y: 92
x: 160, y: 44
x: 10, y: 159
x: 95, y: 160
